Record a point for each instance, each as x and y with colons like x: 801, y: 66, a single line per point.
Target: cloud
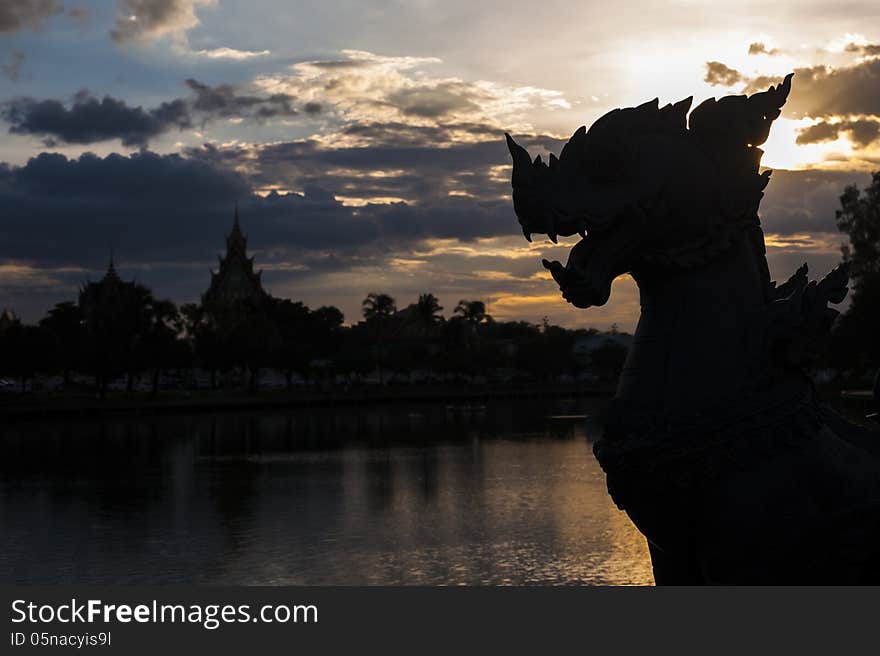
x: 866, y: 49
x: 818, y: 91
x: 363, y: 87
x: 366, y: 98
x: 861, y: 132
x: 12, y: 69
x: 721, y: 74
x: 91, y: 120
x: 149, y: 20
x: 16, y: 15
x: 804, y: 202
x: 827, y: 91
x: 759, y: 48
x: 414, y: 164
x: 843, y: 101
x: 231, y: 53
x: 225, y: 101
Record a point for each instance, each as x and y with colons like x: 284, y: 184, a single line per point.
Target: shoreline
x: 70, y: 405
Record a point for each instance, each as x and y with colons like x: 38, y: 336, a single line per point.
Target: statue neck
x: 701, y: 335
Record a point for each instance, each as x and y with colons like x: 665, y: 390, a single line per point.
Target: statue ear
x: 522, y: 163
x: 520, y: 155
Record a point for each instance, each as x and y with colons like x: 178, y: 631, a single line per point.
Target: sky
x: 363, y: 140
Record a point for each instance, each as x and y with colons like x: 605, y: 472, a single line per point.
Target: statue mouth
x: 597, y: 259
x: 583, y: 280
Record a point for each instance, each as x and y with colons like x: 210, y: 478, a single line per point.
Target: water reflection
x: 468, y: 494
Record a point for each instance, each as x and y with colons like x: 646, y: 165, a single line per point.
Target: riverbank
x: 71, y: 404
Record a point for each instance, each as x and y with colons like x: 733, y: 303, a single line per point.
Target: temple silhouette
x: 107, y: 290
x: 235, y: 281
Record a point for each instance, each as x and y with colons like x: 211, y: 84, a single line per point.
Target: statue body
x: 715, y: 445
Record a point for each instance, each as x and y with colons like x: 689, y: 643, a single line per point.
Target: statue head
x: 647, y: 186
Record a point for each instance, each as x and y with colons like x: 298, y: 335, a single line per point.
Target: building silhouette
x: 104, y: 295
x: 235, y: 281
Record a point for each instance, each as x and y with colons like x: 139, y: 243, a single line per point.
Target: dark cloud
x: 16, y: 15
x: 224, y: 101
x: 172, y: 208
x: 862, y: 132
x: 340, y: 64
x: 759, y: 48
x: 393, y: 133
x: 721, y: 74
x: 804, y: 202
x: 91, y: 120
x: 12, y: 68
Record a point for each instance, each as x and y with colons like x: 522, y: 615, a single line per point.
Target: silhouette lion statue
x: 715, y: 443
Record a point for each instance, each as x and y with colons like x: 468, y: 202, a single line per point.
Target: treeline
x: 122, y: 332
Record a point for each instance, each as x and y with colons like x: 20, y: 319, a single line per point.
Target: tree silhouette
x: 859, y: 218
x: 474, y: 312
x: 426, y: 313
x: 855, y: 342
x: 22, y: 352
x: 63, y: 327
x: 378, y: 310
x: 204, y: 335
x: 378, y: 306
x: 294, y: 349
x: 158, y: 345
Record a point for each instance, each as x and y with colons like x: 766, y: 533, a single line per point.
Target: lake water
x: 414, y: 494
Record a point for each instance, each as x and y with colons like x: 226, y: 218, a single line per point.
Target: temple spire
x: 235, y: 279
x: 236, y: 241
x: 111, y: 269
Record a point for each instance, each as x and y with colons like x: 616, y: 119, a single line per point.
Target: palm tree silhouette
x: 427, y: 313
x: 378, y: 309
